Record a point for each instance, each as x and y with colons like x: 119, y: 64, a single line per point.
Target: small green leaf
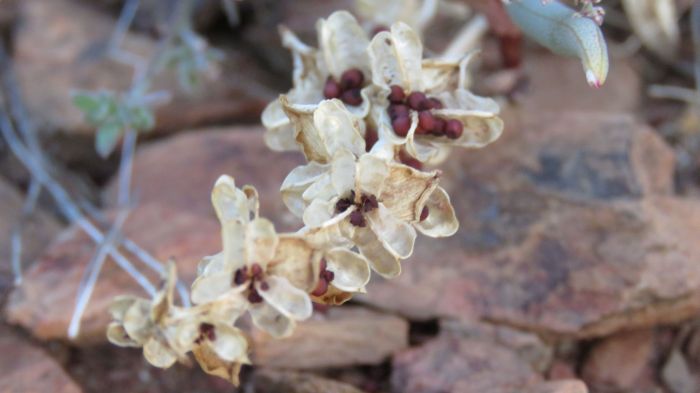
x: 86, y: 102
x: 106, y: 139
x: 142, y: 119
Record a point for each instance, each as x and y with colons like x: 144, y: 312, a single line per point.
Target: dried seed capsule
x: 434, y: 103
x: 417, y: 101
x: 424, y: 213
x: 352, y: 79
x: 454, y: 129
x: 331, y: 89
x: 352, y: 97
x: 398, y: 110
x: 401, y: 125
x: 397, y: 95
x: 426, y: 120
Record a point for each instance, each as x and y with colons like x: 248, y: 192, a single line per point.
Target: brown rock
x: 44, y: 304
x: 59, y: 50
x: 24, y: 368
x: 454, y: 363
x: 566, y: 229
x: 620, y: 362
x: 38, y: 231
x: 344, y: 337
x: 270, y: 381
x: 566, y: 386
x: 181, y: 171
x: 557, y: 83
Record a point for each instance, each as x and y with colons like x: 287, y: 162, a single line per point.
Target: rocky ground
x: 576, y: 267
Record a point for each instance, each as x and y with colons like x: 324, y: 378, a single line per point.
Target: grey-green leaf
x: 107, y: 138
x: 86, y: 102
x: 564, y: 31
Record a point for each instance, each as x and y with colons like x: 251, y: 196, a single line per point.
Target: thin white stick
x: 16, y: 236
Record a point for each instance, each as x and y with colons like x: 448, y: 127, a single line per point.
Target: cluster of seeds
x: 348, y: 89
x: 324, y: 279
x: 243, y: 275
x: 428, y: 124
x: 367, y: 204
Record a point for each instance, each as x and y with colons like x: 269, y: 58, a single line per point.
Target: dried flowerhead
x: 339, y: 68
x: 424, y: 105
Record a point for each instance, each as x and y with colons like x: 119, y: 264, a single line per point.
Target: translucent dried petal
x: 270, y: 320
x: 296, y: 182
x: 137, y: 322
x: 415, y: 13
x: 381, y: 261
x: 229, y: 202
x: 120, y: 305
x: 233, y: 244
x: 295, y: 260
x: 372, y: 173
x: 163, y: 300
x: 280, y: 133
x: 441, y: 220
x: 116, y: 334
x: 158, y: 354
x: 208, y: 287
x: 322, y: 188
x: 351, y: 271
x: 397, y: 236
x: 260, y: 241
x: 286, y: 298
x: 338, y: 128
x: 396, y: 58
x: 230, y: 344
x: 333, y: 296
x: 406, y: 190
x: 438, y: 75
x: 253, y: 199
x: 335, y: 232
x: 319, y: 212
x: 214, y: 365
x: 343, y: 44
x: 342, y: 172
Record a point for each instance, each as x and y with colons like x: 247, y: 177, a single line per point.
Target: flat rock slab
x: 453, y: 363
x: 181, y: 171
x: 24, y: 368
x: 345, y: 336
x: 45, y: 302
x: 567, y: 229
x: 271, y: 381
x: 60, y: 49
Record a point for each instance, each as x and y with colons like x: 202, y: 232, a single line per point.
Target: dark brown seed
x: 421, y: 131
x: 343, y: 205
x: 398, y: 110
x: 264, y: 286
x: 352, y: 97
x: 454, y: 129
x: 207, y: 330
x: 440, y: 125
x: 322, y: 266
x: 357, y: 219
x: 401, y: 126
x: 321, y: 287
x: 256, y: 270
x: 328, y: 275
x: 369, y: 203
x: 426, y: 120
x: 379, y: 29
x: 240, y: 276
x: 417, y: 101
x: 254, y: 296
x: 331, y: 89
x: 371, y: 137
x: 397, y: 95
x: 434, y: 103
x: 424, y: 213
x: 352, y: 79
